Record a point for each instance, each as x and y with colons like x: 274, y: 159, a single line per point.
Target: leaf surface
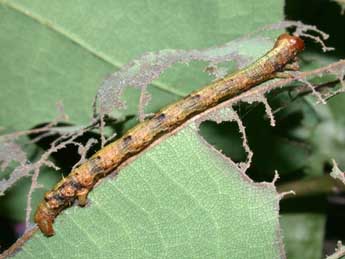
x: 63, y: 50
x: 179, y: 199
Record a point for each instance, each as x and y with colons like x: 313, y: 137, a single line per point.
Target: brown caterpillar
x: 82, y: 179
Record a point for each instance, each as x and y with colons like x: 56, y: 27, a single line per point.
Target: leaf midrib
x: 84, y: 45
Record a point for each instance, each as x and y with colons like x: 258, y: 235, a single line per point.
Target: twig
x: 19, y: 243
x: 317, y: 185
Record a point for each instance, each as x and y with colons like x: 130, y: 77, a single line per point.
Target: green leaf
x: 179, y: 199
x: 61, y: 50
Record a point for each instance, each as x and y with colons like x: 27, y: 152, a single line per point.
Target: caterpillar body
x: 81, y: 180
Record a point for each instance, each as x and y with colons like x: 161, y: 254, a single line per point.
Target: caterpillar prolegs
x: 82, y: 179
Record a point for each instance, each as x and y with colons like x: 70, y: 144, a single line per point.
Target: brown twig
x: 19, y: 243
x: 317, y: 185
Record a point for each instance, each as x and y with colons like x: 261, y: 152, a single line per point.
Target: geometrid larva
x: 81, y: 180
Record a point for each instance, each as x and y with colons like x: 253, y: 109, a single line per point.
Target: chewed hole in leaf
x: 275, y: 148
x: 143, y: 71
x: 10, y: 152
x: 68, y: 156
x: 173, y: 84
x: 225, y: 137
x: 8, y: 235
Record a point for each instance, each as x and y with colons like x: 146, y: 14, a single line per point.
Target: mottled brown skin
x: 82, y: 179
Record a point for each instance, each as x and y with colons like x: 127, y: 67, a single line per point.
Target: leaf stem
x: 313, y: 186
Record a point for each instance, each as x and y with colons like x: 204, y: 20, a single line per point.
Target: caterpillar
x: 81, y: 180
